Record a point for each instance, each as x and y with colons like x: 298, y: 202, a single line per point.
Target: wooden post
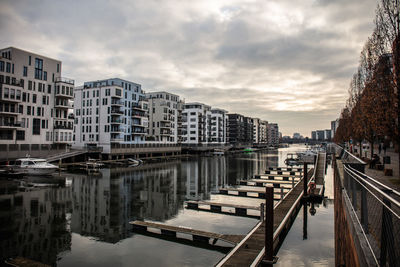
x: 262, y: 212
x: 269, y: 225
x: 305, y: 179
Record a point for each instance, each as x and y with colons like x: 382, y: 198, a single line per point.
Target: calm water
x: 85, y: 222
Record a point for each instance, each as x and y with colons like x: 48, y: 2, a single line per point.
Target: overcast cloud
x: 284, y: 61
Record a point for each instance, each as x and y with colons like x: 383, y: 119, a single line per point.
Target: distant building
x: 256, y: 131
x: 296, y: 136
x: 111, y: 111
x: 219, y: 121
x: 320, y: 135
x: 163, y: 117
x: 314, y: 135
x: 248, y: 130
x: 236, y: 134
x: 334, y: 126
x: 263, y: 135
x: 328, y: 135
x: 273, y: 134
x: 196, y: 123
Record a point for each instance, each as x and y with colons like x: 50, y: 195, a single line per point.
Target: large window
x: 25, y: 71
x: 38, y: 68
x: 36, y: 127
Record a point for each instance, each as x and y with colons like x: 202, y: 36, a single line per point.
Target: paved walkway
x: 391, y: 181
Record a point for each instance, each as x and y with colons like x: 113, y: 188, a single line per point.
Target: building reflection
x: 34, y: 224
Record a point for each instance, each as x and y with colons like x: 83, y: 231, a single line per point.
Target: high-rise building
x: 248, y: 130
x: 273, y: 134
x: 35, y: 102
x: 256, y: 131
x: 111, y: 111
x: 263, y: 132
x: 219, y: 121
x: 196, y: 123
x: 163, y: 117
x: 236, y: 133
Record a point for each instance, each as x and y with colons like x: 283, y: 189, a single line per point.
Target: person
x: 380, y: 148
x: 384, y: 148
x: 374, y: 161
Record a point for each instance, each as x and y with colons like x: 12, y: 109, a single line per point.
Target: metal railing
x: 377, y: 210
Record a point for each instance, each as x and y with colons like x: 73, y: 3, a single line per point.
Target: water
x: 311, y: 240
x: 85, y: 222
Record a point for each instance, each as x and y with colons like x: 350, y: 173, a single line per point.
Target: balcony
x: 137, y: 124
x: 116, y: 111
x: 136, y: 106
x: 117, y: 130
x: 62, y: 104
x: 165, y: 125
x: 9, y: 110
x: 138, y: 114
x: 165, y: 132
x: 10, y: 98
x: 138, y: 131
x: 10, y: 125
x: 116, y: 121
x: 116, y: 138
x: 65, y: 80
x: 63, y: 127
x: 117, y: 102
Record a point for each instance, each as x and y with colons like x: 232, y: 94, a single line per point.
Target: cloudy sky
x: 284, y: 61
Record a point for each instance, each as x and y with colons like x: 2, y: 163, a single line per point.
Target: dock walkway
x: 246, y: 252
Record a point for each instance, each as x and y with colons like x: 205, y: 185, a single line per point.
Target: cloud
x: 284, y: 61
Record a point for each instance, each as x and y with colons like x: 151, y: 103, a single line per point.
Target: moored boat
x: 32, y: 166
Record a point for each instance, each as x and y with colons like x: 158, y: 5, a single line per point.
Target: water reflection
x: 38, y: 224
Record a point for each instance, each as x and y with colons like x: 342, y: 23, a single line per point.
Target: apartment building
x: 110, y: 111
x: 196, y: 123
x: 236, y: 133
x: 256, y: 130
x: 35, y: 102
x: 273, y: 134
x: 248, y: 130
x: 263, y: 136
x: 164, y: 110
x: 219, y: 121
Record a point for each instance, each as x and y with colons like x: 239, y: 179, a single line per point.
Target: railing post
x: 293, y: 181
x: 364, y: 210
x: 305, y: 179
x: 262, y: 212
x: 269, y: 225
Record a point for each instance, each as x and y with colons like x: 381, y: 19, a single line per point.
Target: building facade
x: 236, y: 131
x: 196, y: 123
x: 163, y: 117
x: 35, y: 101
x: 111, y: 111
x: 273, y: 134
x: 219, y: 121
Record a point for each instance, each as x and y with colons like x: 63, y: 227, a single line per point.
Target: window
x: 118, y: 92
x: 49, y: 88
x: 38, y: 68
x: 33, y: 98
x: 28, y: 110
x: 43, y: 124
x: 38, y: 109
x: 25, y: 71
x: 45, y: 75
x: 23, y: 97
x: 36, y: 126
x: 58, y: 67
x: 29, y: 61
x: 8, y: 67
x: 20, y: 135
x: 29, y: 85
x: 1, y: 65
x: 21, y: 109
x: 44, y: 100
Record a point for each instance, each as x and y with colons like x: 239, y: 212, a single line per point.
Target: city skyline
x: 280, y: 61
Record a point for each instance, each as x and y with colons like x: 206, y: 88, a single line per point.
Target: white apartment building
x: 196, y: 123
x: 219, y: 122
x: 163, y: 117
x: 273, y: 134
x: 35, y: 101
x: 256, y: 130
x: 107, y: 112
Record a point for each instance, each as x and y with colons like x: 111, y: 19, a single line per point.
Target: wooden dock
x: 240, y: 210
x: 317, y: 193
x: 242, y: 192
x: 285, y: 169
x: 197, y: 235
x: 247, y: 251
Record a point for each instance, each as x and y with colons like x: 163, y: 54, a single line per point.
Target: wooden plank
x: 279, y: 175
x: 246, y: 252
x: 197, y: 235
x: 244, y: 192
x: 230, y: 205
x: 263, y: 183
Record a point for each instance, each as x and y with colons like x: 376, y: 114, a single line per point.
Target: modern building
x: 273, y: 134
x: 236, y: 132
x: 219, y: 122
x: 263, y: 135
x: 107, y: 112
x: 328, y: 134
x: 163, y: 117
x: 248, y: 130
x: 196, y: 123
x: 314, y: 135
x: 256, y: 131
x: 35, y: 102
x: 334, y: 126
x: 320, y: 135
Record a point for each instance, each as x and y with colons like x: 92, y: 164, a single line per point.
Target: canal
x: 84, y: 220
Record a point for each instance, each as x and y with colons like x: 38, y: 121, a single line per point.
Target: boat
x: 219, y: 152
x: 32, y: 166
x: 93, y: 164
x: 248, y: 149
x: 292, y: 159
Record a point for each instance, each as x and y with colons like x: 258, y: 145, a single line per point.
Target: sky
x: 284, y: 61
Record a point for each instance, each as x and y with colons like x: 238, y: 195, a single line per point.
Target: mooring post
x: 269, y: 225
x: 305, y: 179
x: 262, y: 212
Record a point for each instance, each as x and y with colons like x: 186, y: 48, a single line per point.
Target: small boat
x: 219, y: 152
x: 93, y: 164
x: 248, y: 149
x: 32, y: 166
x: 292, y: 159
